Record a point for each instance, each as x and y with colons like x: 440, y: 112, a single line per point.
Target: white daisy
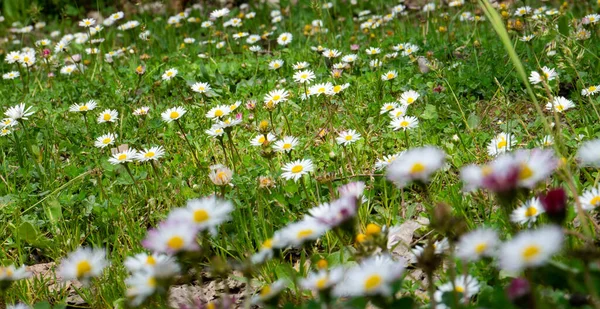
x: 417, y: 164
x: 296, y: 169
x: 172, y: 237
x: 409, y: 97
x: 172, y: 114
x: 560, y: 104
x: 83, y: 264
x: 373, y: 276
x: 262, y: 139
x: 547, y: 75
x: 205, y: 213
x: 348, y: 137
x: 404, y: 123
x: 528, y: 212
x: 126, y: 155
x: 152, y: 153
x: 287, y: 144
x: 169, y: 74
x: 108, y: 115
x: 588, y: 153
x: 530, y: 248
x: 476, y: 244
x: 295, y: 234
x: 590, y: 199
x: 105, y: 140
x: 83, y: 107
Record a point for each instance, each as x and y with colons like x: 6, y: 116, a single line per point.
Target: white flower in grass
x: 215, y: 131
x: 590, y: 199
x: 386, y: 161
x: 204, y: 213
x: 388, y: 107
x: 262, y: 139
x: 591, y: 90
x: 535, y: 165
x: 172, y: 237
x: 301, y: 65
x: 398, y: 112
x: 409, y: 97
x: 476, y: 244
x: 465, y: 286
x: 547, y: 75
x: 201, y: 87
x: 530, y: 248
x: 439, y: 247
x: 560, y: 104
x: 295, y: 234
x: 404, y: 123
x: 169, y: 74
x: 87, y: 22
x: 220, y: 175
x: 276, y: 96
x: 11, y: 75
x: 373, y: 51
x: 165, y: 265
x: 416, y: 164
x: 218, y: 112
x: 105, y: 140
x: 18, y: 111
x: 348, y: 137
x: 588, y: 153
x: 322, y: 280
x: 331, y: 53
x: 275, y: 64
x: 140, y: 285
x: 12, y: 273
x: 123, y: 156
x: 284, y: 39
x: 501, y: 143
x: 83, y: 265
x: 83, y: 107
x: 335, y: 213
x: 287, y: 144
x: 142, y: 111
x: 296, y: 169
x: 268, y: 292
x: 5, y: 131
x: 389, y: 75
x: 528, y: 212
x: 172, y: 114
x: 68, y: 69
x: 373, y: 276
x: 108, y: 115
x: 149, y: 154
x: 322, y: 88
x: 303, y: 77
x: 219, y: 13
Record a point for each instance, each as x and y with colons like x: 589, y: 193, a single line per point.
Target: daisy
x: 410, y: 49
x: 296, y: 169
x: 204, y: 213
x: 560, y: 104
x: 12, y: 273
x: 322, y: 280
x: 303, y: 77
x: 417, y: 164
x: 275, y: 64
x: 253, y: 39
x: 591, y: 19
x: 590, y: 199
x: 140, y: 285
x: 105, y: 140
x: 331, y: 53
x: 255, y: 48
x: 389, y: 75
x: 83, y: 264
x: 339, y: 88
x: 372, y: 51
x: 284, y: 39
x: 404, y: 123
x: 524, y: 10
x: 349, y: 58
x: 11, y: 75
x: 375, y: 63
x: 398, y: 112
x: 477, y: 244
x: 215, y: 131
x: 439, y: 247
x: 409, y: 97
x: 108, y: 115
x: 276, y: 96
x: 547, y: 75
x: 87, y: 22
x: 141, y: 111
x: 535, y: 165
x: 287, y: 144
x: 295, y: 234
x: 546, y: 141
x: 265, y: 253
x: 373, y: 276
x: 218, y: 112
x: 18, y: 111
x: 387, y: 107
x: 467, y: 286
x: 386, y: 161
x: 8, y: 122
x: 172, y: 114
x: 319, y: 89
x: 530, y: 248
x: 262, y: 139
x: 219, y: 13
x: 83, y: 107
x: 527, y: 38
x: 169, y: 74
x: 126, y: 155
x: 528, y: 212
x: 301, y: 65
x: 116, y: 16
x: 5, y: 131
x: 12, y: 57
x: 220, y: 175
x: 269, y: 292
x: 165, y: 265
x: 172, y: 237
x: 234, y: 106
x: 591, y: 90
x: 348, y: 137
x: 502, y: 143
x: 588, y: 153
x: 339, y: 211
x: 152, y: 153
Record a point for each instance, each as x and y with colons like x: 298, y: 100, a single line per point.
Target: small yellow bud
x: 322, y: 264
x: 373, y: 229
x: 360, y: 238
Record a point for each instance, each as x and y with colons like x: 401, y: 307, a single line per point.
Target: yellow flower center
x: 218, y: 113
x: 595, y: 201
x: 149, y: 154
x: 337, y: 88
x: 389, y: 107
x: 304, y: 233
x: 174, y: 115
x: 222, y: 176
x: 169, y: 74
x: 211, y: 305
x: 284, y: 38
x: 560, y: 107
x: 348, y: 137
x: 83, y: 268
x: 530, y: 252
x: 275, y: 65
x: 106, y: 141
x: 106, y: 117
x: 176, y: 242
x: 276, y: 97
x: 531, y: 211
x: 287, y: 146
x: 417, y: 168
x: 297, y: 169
x: 390, y: 75
x: 459, y: 289
x: 592, y: 88
x: 525, y: 172
x: 304, y: 76
x: 373, y: 282
x: 262, y: 139
x: 83, y: 108
x: 265, y: 291
x: 151, y: 282
x: 480, y: 248
x: 201, y: 215
x: 321, y: 90
x: 404, y: 123
x: 410, y: 100
x: 122, y: 157
x: 321, y: 283
x: 268, y: 244
x: 150, y: 260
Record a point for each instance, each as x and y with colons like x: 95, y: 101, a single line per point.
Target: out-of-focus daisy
x: 439, y: 247
x: 164, y: 263
x: 476, y: 244
x: 172, y: 237
x: 105, y: 140
x: 141, y: 111
x: 5, y: 131
x: 319, y: 89
x: 205, y: 213
x: 220, y: 175
x: 296, y: 169
x: 219, y: 13
x: 373, y: 276
x: 108, y: 115
x: 268, y: 292
x: 373, y: 51
x: 331, y: 53
x: 535, y: 165
x: 322, y: 280
x: 83, y: 107
x: 140, y: 285
x: 385, y: 161
x: 262, y: 139
x: 546, y: 141
x: 409, y: 97
x: 11, y: 273
x: 301, y: 65
x: 404, y: 123
x: 295, y: 234
x: 417, y: 164
x: 275, y: 64
x: 339, y: 211
x: 398, y: 112
x: 169, y: 74
x: 530, y: 248
x: 8, y: 122
x: 588, y: 153
x: 172, y: 114
x: 83, y: 264
x: 287, y: 144
x: 590, y: 199
x: 11, y: 75
x: 527, y: 38
x: 348, y: 137
x: 87, y: 22
x: 524, y: 10
x: 123, y: 156
x: 466, y: 286
x: 528, y: 212
x: 547, y: 75
x: 152, y: 153
x: 560, y: 104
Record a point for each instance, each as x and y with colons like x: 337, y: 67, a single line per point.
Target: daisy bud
x: 322, y: 264
x: 360, y: 238
x: 518, y: 291
x: 46, y: 53
x: 372, y: 229
x: 554, y: 203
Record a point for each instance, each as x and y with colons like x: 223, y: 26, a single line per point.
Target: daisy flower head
x: 547, y: 75
x: 467, y: 286
x: 385, y: 161
x: 527, y: 212
x: 375, y: 63
x: 296, y: 233
x: 591, y: 90
x: 530, y: 248
x: 276, y: 96
x: 501, y: 143
x: 284, y: 39
x: 404, y: 123
x: 588, y: 153
x: 560, y: 104
x: 416, y: 164
x: 305, y: 76
x: 476, y: 244
x: 105, y: 140
x: 331, y: 53
x: 349, y: 58
x: 535, y: 165
x: 141, y: 111
x: 18, y: 111
x: 173, y: 114
x: 410, y: 49
x: 140, y: 285
x: 201, y: 87
x: 12, y: 57
x: 527, y: 38
x: 373, y: 51
x: 336, y: 212
x: 591, y: 19
x: 522, y: 11
x: 204, y: 213
x: 169, y: 74
x: 87, y: 22
x: 387, y: 107
x: 409, y: 97
x: 255, y: 48
x: 219, y: 13
x: 339, y: 88
x: 123, y: 156
x: 546, y: 141
x: 172, y: 237
x: 215, y: 131
x: 262, y: 139
x: 149, y: 154
x: 287, y: 144
x: 296, y: 169
x: 322, y: 280
x: 269, y: 292
x: 83, y: 107
x: 389, y: 75
x: 83, y: 264
x: 439, y: 247
x: 398, y: 112
x: 218, y: 112
x: 373, y: 276
x: 108, y: 115
x: 11, y: 273
x: 11, y: 75
x: 5, y: 131
x: 143, y: 261
x: 590, y: 199
x: 348, y: 137
x: 322, y: 88
x: 301, y: 65
x: 220, y: 175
